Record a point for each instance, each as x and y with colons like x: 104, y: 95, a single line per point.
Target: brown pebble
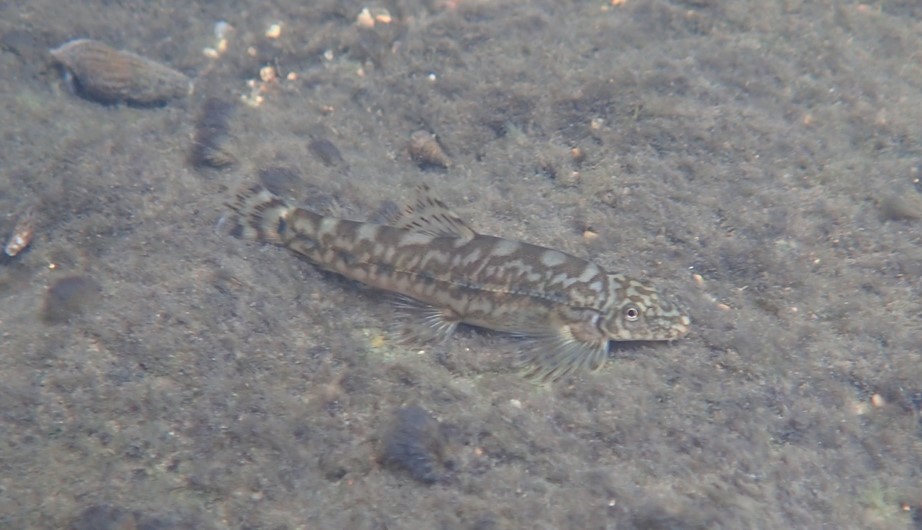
x: 426, y: 151
x: 104, y: 74
x: 878, y: 401
x: 577, y: 156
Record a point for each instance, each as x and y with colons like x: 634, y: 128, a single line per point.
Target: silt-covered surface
x: 758, y: 160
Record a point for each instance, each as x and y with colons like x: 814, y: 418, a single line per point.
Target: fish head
x: 637, y: 311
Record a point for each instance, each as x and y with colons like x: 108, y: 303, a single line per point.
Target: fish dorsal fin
x: 429, y: 215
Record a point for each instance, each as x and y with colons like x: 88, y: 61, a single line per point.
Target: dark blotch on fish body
x: 101, y: 73
x: 69, y: 297
x: 415, y: 444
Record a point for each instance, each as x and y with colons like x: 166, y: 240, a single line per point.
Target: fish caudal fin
x: 259, y: 215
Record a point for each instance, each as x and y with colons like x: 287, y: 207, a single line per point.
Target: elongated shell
x: 107, y: 75
x: 426, y: 151
x: 22, y: 233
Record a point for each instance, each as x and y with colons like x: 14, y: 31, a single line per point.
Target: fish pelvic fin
x: 550, y: 357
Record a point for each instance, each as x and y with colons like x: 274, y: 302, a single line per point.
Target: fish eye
x: 631, y: 313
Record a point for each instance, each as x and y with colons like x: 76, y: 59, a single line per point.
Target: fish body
x: 568, y: 307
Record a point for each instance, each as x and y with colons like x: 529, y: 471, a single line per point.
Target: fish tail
x: 260, y: 215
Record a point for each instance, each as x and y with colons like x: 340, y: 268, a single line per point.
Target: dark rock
x: 415, y: 443
x: 210, y: 146
x: 106, y: 75
x: 326, y: 152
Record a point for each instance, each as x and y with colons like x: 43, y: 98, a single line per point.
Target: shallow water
x: 760, y: 160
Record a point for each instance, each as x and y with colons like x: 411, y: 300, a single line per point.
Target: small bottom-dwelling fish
x: 568, y: 308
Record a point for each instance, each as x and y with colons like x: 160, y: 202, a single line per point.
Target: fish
x: 567, y: 310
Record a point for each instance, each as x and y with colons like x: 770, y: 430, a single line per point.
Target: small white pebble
x: 222, y: 29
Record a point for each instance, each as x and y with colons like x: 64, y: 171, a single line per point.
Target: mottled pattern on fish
x: 569, y: 308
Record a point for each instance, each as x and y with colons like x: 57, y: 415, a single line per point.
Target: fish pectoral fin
x: 421, y: 323
x: 550, y: 357
x: 429, y: 215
